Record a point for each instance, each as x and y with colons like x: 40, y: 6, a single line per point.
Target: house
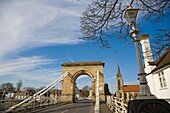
x: 125, y: 92
x: 158, y: 72
x: 21, y: 95
x: 6, y: 94
x: 130, y: 92
x: 77, y: 93
x: 54, y: 94
x: 10, y: 95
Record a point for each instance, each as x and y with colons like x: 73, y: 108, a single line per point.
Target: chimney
x: 147, y: 53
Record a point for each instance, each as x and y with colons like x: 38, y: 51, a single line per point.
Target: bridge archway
x: 77, y: 69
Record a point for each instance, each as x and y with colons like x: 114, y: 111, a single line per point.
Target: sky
x: 37, y: 36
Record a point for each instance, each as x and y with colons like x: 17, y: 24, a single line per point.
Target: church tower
x: 119, y: 84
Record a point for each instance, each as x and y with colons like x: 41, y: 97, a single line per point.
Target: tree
x: 104, y: 19
x: 7, y: 86
x: 106, y: 89
x: 162, y: 42
x: 19, y: 85
x: 85, y: 91
x: 30, y: 90
x: 86, y: 87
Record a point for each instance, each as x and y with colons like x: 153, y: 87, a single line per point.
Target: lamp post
x: 131, y: 17
x: 145, y: 102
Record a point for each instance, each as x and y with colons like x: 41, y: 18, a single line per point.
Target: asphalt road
x: 83, y: 106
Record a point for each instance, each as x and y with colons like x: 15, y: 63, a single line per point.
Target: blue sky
x: 37, y: 36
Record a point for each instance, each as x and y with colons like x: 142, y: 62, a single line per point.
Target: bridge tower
x: 77, y: 69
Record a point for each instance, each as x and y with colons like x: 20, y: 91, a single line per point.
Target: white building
x: 21, y: 95
x: 10, y: 95
x: 158, y: 72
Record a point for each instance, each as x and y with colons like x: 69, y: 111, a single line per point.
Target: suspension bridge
x: 71, y: 71
x: 99, y: 103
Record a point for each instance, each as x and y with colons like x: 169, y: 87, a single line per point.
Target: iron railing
x: 116, y: 105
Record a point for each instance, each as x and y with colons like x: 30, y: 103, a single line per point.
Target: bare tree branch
x: 103, y: 19
x: 162, y: 42
x: 19, y: 85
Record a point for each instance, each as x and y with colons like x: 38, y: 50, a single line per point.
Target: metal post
x: 144, y: 88
x: 97, y: 104
x: 145, y: 101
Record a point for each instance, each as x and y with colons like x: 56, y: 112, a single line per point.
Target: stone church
x: 125, y: 92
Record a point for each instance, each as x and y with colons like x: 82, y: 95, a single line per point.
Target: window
x: 162, y: 80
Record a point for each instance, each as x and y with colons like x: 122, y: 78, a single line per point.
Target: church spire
x: 119, y: 82
x: 118, y: 72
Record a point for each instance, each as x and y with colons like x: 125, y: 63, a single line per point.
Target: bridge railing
x: 38, y: 99
x: 116, y: 105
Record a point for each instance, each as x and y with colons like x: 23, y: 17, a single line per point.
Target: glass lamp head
x: 131, y: 15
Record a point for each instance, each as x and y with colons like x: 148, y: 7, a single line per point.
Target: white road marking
x: 64, y: 111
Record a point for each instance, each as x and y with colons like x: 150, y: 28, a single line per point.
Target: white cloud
x: 41, y: 77
x: 32, y: 70
x: 29, y: 24
x: 36, y: 23
x: 22, y: 64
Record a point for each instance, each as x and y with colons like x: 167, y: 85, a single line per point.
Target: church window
x: 162, y: 80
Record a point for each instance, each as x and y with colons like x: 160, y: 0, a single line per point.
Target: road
x: 83, y: 106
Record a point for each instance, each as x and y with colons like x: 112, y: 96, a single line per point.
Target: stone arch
x: 82, y: 72
x: 77, y: 69
x: 78, y: 74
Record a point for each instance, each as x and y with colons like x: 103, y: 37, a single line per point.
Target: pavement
x: 83, y: 106
x: 104, y: 108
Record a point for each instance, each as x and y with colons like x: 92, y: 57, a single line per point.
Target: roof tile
x: 131, y: 88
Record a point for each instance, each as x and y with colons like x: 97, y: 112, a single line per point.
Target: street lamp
x: 131, y: 17
x: 145, y: 99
